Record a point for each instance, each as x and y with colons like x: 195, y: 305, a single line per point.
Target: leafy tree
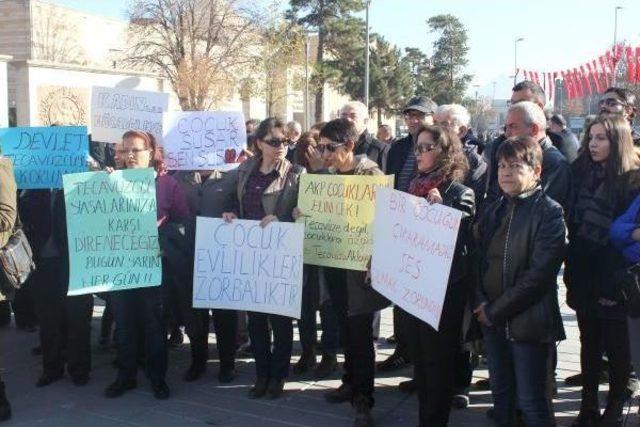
x: 420, y: 67
x: 337, y: 32
x: 447, y: 80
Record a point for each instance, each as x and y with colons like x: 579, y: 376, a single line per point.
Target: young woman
x: 442, y: 166
x: 267, y: 190
x: 521, y: 245
x: 600, y: 186
x: 141, y: 310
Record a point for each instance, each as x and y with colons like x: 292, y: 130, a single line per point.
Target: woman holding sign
x: 267, y: 190
x: 141, y: 310
x: 442, y: 167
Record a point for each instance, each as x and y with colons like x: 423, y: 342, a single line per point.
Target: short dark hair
x: 535, y: 89
x: 452, y: 161
x: 522, y: 148
x: 339, y: 130
x: 252, y: 122
x: 624, y: 94
x: 559, y: 120
x: 266, y: 126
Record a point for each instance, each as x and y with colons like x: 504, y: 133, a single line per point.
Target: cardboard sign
x: 338, y: 213
x: 242, y: 266
x: 112, y: 231
x: 414, y: 244
x: 115, y: 111
x: 42, y: 155
x: 203, y: 140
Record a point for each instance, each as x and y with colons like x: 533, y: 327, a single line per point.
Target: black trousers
x: 272, y: 362
x: 356, y: 337
x: 24, y: 307
x: 400, y: 320
x: 65, y: 321
x: 611, y: 336
x: 139, y: 317
x: 225, y: 324
x: 435, y: 355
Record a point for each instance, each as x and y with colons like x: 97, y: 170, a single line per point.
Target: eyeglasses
x: 419, y: 115
x: 424, y: 148
x: 332, y: 147
x: 275, y: 142
x: 134, y: 151
x: 611, y: 102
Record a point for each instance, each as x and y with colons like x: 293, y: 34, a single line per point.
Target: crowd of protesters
x: 533, y: 199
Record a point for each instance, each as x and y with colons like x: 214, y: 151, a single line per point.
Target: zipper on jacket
x: 504, y: 262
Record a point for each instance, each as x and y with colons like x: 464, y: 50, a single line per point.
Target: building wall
x: 46, y: 93
x: 15, y: 28
x: 4, y: 97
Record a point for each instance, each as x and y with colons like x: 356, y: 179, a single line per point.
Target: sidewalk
x: 208, y: 403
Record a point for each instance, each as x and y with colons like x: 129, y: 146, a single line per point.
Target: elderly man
x: 556, y: 175
x: 456, y: 118
x: 358, y: 114
x: 292, y: 133
x: 401, y: 162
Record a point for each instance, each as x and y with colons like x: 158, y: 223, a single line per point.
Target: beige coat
x: 8, y: 202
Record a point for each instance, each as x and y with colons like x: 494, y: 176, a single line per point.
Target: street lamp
x: 366, y: 66
x: 307, y: 34
x: 515, y: 59
x: 615, y: 26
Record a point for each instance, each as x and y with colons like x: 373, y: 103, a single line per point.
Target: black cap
x: 559, y: 120
x: 421, y: 103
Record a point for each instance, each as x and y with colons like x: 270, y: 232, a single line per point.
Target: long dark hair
x: 622, y: 154
x: 452, y: 161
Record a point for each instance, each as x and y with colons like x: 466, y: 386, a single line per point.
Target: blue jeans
x: 519, y: 374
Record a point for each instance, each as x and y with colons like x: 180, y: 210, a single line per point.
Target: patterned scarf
x: 422, y: 183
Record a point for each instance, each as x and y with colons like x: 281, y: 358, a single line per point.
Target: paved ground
x: 206, y: 402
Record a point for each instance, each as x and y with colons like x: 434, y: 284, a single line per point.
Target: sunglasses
x: 424, y: 148
x: 329, y: 147
x: 611, y: 102
x: 275, y: 142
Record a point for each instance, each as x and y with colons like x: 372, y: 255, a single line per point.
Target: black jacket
x: 534, y: 250
x: 477, y: 167
x: 370, y: 146
x: 556, y: 174
x: 567, y: 143
x: 40, y: 221
x: 397, y: 155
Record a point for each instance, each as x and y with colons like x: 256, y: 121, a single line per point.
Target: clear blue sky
x: 558, y: 34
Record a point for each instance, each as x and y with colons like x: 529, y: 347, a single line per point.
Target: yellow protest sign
x: 338, y: 215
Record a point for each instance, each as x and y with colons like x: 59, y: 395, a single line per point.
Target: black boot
x: 589, y: 415
x: 199, y: 356
x: 612, y: 416
x: 5, y: 407
x: 306, y: 362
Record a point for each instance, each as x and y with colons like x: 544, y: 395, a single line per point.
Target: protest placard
x: 115, y: 111
x: 414, y: 244
x: 338, y: 212
x: 242, y: 266
x: 112, y: 231
x: 203, y: 140
x: 41, y: 155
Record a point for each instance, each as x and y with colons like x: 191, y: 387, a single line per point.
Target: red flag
x: 617, y: 52
x: 593, y: 70
x: 536, y: 78
x: 638, y: 64
x: 585, y: 79
x: 575, y: 77
x: 525, y: 73
x: 631, y: 65
x: 567, y: 84
x: 554, y: 77
x: 605, y: 72
x: 549, y: 86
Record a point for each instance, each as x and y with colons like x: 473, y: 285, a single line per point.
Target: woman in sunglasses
x: 442, y: 167
x: 267, y: 190
x: 352, y: 297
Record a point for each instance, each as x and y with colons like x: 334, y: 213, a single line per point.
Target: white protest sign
x: 203, y: 140
x: 115, y: 111
x: 413, y: 247
x: 242, y: 266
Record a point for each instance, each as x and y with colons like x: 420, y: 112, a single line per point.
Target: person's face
x: 383, y: 134
x: 251, y: 127
x: 119, y: 157
x: 335, y: 154
x: 516, y: 177
x: 273, y: 146
x: 427, y: 152
x: 414, y: 119
x: 599, y: 144
x: 293, y: 135
x: 611, y: 103
x: 447, y: 122
x: 135, y: 153
x: 352, y: 115
x: 522, y: 95
x: 515, y: 125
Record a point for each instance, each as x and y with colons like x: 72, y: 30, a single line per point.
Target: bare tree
x: 55, y: 37
x: 204, y: 47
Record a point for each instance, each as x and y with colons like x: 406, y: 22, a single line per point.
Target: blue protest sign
x: 41, y: 155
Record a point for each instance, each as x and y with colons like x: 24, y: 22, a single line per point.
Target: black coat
x: 40, y: 221
x: 397, y: 155
x: 534, y: 250
x: 370, y: 146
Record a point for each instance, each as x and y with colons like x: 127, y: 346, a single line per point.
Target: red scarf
x: 425, y: 182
